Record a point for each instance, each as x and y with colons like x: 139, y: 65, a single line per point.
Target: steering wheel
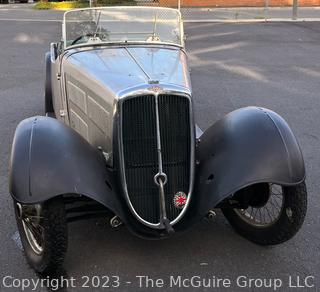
x: 81, y: 37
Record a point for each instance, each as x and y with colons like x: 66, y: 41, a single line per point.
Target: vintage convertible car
x: 119, y: 141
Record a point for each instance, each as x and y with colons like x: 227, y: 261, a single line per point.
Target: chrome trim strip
x: 160, y: 183
x: 158, y: 135
x: 192, y: 156
x: 144, y: 89
x: 122, y: 44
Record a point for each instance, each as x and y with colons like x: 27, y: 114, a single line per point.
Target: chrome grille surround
x: 155, y: 96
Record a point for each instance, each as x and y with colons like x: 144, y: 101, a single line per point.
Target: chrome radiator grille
x: 140, y: 156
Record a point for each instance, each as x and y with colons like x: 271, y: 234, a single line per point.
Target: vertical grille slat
x: 139, y: 138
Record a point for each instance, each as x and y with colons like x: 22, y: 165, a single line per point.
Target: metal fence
x: 204, y: 12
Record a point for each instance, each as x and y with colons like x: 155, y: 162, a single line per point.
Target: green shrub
x: 115, y: 2
x: 65, y: 5
x: 42, y: 5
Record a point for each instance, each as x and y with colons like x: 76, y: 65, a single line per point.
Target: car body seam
x: 283, y: 141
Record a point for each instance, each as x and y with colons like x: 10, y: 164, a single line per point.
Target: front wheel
x: 272, y: 215
x: 43, y: 233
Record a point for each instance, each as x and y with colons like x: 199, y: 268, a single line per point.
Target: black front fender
x: 49, y: 159
x: 247, y: 146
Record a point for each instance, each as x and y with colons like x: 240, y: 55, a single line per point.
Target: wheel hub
x: 266, y: 210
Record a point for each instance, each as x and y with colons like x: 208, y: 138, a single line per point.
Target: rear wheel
x: 43, y: 233
x: 272, y: 216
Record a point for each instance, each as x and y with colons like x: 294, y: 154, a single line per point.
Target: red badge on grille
x: 179, y: 200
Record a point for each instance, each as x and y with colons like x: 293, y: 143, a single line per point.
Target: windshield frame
x: 103, y: 43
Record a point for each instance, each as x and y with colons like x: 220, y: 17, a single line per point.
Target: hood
x: 118, y: 69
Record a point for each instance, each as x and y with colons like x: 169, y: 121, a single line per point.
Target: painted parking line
x: 16, y: 238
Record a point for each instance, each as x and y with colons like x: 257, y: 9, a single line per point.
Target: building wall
x: 237, y: 3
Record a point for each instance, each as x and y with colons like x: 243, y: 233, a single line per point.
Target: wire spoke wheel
x: 31, y: 222
x: 271, y: 213
x: 44, y: 234
x: 267, y: 214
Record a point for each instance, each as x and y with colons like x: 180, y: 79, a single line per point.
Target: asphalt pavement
x: 273, y: 65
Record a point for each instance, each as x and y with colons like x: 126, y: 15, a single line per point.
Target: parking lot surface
x: 273, y: 65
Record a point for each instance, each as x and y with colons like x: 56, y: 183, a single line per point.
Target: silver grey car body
x: 89, y: 81
x: 96, y: 79
x: 118, y: 141
x: 126, y: 134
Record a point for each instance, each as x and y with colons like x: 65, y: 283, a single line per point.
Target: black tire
x: 289, y: 222
x: 48, y: 104
x: 55, y: 238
